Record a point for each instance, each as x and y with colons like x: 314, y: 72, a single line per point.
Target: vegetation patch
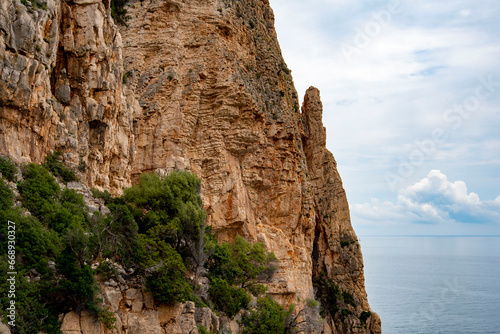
x: 328, y: 295
x: 364, y: 316
x: 118, y: 11
x: 54, y: 164
x: 269, y: 317
x: 157, y: 228
x: 8, y: 168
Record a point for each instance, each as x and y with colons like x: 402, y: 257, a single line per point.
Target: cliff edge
x: 187, y: 85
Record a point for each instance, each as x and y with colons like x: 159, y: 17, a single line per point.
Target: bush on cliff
x: 235, y: 268
x: 227, y: 298
x: 120, y: 236
x: 6, y: 196
x: 39, y: 191
x: 168, y: 282
x: 242, y: 264
x: 118, y: 11
x: 42, y: 196
x: 173, y: 203
x: 54, y: 164
x: 170, y: 209
x: 328, y: 294
x: 78, y: 287
x: 158, y: 226
x: 269, y: 317
x: 8, y: 168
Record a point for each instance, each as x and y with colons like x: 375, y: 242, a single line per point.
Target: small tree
x: 268, y: 318
x: 119, y: 234
x: 39, y: 191
x: 8, y: 168
x: 171, y: 207
x: 54, y: 164
x: 168, y: 282
x: 6, y: 196
x: 235, y: 268
x: 244, y: 264
x: 227, y: 298
x: 77, y: 287
x: 171, y: 210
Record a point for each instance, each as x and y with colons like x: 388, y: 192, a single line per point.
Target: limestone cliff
x: 198, y: 85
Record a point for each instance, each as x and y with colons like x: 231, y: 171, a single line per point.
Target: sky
x: 411, y: 96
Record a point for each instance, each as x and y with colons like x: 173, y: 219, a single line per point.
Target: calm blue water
x: 434, y: 285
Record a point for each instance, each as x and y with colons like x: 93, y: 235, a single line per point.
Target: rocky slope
x: 196, y: 85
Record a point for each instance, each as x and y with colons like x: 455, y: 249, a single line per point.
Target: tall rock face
x: 60, y: 89
x: 199, y: 85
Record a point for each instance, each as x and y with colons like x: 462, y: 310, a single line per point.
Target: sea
x: 434, y: 284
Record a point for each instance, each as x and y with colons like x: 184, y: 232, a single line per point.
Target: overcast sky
x: 411, y: 95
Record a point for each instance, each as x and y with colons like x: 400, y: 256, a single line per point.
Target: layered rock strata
x: 61, y: 87
x: 190, y: 85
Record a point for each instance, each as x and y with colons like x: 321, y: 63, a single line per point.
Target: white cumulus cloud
x: 433, y: 200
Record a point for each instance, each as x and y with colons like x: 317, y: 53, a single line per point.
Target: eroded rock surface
x: 181, y: 318
x: 190, y: 85
x: 61, y: 88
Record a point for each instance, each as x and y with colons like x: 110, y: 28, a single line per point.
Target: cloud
x: 432, y: 200
x: 394, y: 94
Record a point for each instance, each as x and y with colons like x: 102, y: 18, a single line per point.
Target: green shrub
x: 234, y: 267
x: 168, y: 283
x: 120, y: 236
x: 348, y: 298
x: 68, y: 212
x: 35, y: 244
x: 118, y: 11
x: 170, y: 208
x: 219, y: 263
x: 328, y: 294
x: 39, y: 190
x: 345, y: 313
x: 54, y: 164
x: 105, y: 270
x: 81, y: 244
x: 77, y: 288
x: 107, y: 317
x: 268, y: 318
x: 162, y: 199
x: 203, y: 330
x: 8, y: 168
x: 251, y: 263
x: 32, y: 314
x: 257, y: 289
x: 41, y: 195
x: 227, y: 298
x: 6, y: 196
x: 126, y: 75
x: 364, y: 316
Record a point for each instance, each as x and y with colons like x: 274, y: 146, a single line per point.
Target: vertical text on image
x: 11, y: 274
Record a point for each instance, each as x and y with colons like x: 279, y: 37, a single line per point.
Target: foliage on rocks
x: 158, y: 227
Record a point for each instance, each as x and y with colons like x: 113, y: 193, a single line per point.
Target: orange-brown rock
x: 195, y: 85
x: 61, y: 80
